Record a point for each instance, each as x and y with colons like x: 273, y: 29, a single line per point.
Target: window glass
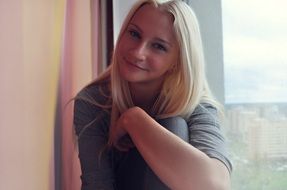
x: 255, y: 71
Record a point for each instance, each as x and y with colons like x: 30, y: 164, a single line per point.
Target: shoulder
x: 92, y: 105
x: 204, y: 112
x: 205, y: 133
x: 99, y: 92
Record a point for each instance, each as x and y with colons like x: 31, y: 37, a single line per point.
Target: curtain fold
x: 76, y: 71
x: 45, y: 58
x: 95, y: 37
x: 29, y: 72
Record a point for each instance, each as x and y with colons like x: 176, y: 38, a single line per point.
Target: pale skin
x: 148, y: 52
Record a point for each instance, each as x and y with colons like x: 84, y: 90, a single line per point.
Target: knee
x: 176, y: 125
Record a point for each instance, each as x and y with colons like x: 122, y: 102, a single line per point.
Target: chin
x: 130, y: 79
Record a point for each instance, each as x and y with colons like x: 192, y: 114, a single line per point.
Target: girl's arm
x: 177, y: 163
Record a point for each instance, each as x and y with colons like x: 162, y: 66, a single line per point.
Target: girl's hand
x: 124, y: 144
x: 119, y: 136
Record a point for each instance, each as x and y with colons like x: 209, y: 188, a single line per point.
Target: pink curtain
x: 48, y: 52
x: 76, y: 71
x: 95, y: 29
x: 30, y: 36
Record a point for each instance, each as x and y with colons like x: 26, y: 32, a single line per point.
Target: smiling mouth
x: 134, y: 65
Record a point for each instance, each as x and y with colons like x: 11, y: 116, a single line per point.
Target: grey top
x: 99, y: 164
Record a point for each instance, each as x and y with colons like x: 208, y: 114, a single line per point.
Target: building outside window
x: 255, y: 66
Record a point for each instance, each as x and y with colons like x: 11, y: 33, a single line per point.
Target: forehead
x: 154, y: 21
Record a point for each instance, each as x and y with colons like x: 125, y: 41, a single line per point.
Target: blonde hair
x: 188, y: 75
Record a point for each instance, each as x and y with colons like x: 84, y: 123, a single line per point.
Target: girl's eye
x: 159, y: 47
x: 134, y: 33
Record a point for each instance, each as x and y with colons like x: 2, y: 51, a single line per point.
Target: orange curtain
x: 45, y: 58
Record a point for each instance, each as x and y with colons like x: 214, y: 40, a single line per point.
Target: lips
x: 135, y: 65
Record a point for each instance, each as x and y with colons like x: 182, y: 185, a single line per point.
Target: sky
x: 255, y: 50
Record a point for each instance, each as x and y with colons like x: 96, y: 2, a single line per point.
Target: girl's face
x: 148, y: 47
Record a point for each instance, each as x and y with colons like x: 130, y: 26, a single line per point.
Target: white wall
x: 210, y: 20
x: 121, y: 8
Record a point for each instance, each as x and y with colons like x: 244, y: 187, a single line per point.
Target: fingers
x: 124, y: 144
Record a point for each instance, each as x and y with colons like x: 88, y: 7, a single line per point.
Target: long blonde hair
x: 188, y: 76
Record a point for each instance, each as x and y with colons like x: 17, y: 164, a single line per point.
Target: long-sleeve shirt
x: 100, y: 164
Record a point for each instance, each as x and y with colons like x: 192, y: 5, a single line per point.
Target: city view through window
x: 255, y: 66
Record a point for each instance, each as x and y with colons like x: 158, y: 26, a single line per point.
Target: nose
x: 139, y: 52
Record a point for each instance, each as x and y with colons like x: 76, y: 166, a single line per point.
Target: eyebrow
x: 163, y: 41
x: 156, y: 38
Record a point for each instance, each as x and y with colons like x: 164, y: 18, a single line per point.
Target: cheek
x: 120, y: 47
x: 124, y: 43
x: 162, y: 64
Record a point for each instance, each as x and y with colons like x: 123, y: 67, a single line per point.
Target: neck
x: 143, y: 95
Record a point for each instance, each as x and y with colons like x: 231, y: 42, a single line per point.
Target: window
x: 255, y: 62
x: 255, y: 89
